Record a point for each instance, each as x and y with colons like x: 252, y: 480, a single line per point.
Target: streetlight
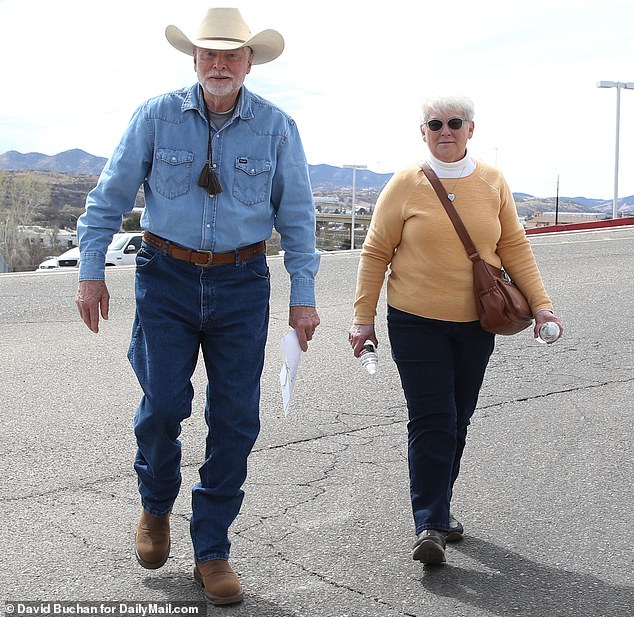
x: 354, y: 183
x: 618, y: 85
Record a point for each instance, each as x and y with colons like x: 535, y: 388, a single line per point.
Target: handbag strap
x: 463, y: 234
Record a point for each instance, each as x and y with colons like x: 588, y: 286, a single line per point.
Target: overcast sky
x: 353, y: 75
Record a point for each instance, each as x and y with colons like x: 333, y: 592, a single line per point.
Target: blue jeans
x: 181, y: 309
x: 442, y: 366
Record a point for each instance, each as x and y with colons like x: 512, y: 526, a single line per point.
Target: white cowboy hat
x: 225, y: 29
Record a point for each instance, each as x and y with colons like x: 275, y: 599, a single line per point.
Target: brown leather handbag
x: 502, y: 307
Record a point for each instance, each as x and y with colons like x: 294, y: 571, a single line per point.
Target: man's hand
x: 92, y: 298
x: 304, y: 320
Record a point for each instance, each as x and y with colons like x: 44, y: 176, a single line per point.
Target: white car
x: 121, y: 252
x: 66, y: 261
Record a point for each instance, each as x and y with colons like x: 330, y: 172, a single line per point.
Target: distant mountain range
x: 79, y: 162
x: 69, y: 162
x: 323, y: 177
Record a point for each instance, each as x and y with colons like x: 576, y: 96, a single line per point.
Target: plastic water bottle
x: 549, y: 332
x: 369, y: 358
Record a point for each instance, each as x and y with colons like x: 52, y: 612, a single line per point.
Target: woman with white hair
x: 437, y: 342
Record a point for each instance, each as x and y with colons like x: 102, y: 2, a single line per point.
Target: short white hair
x: 461, y: 105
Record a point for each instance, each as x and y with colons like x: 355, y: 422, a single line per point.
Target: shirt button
x: 173, y: 159
x: 208, y: 225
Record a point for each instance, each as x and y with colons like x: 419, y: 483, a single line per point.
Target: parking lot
x: 545, y: 492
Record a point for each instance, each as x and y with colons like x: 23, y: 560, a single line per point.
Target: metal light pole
x: 354, y: 186
x: 618, y: 85
x: 557, y: 203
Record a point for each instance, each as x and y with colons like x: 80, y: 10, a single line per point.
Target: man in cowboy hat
x: 220, y: 166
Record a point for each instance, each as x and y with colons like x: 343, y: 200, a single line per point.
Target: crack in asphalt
x: 316, y: 485
x: 330, y: 582
x: 313, y: 439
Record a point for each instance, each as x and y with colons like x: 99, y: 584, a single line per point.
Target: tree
x: 22, y: 195
x: 132, y: 222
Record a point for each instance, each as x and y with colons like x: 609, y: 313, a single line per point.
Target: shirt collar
x: 195, y: 100
x: 459, y: 169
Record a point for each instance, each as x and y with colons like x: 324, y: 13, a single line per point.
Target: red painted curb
x: 627, y: 220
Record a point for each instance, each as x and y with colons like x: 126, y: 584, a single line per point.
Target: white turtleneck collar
x: 460, y: 169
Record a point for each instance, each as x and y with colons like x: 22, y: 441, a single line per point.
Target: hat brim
x: 266, y: 45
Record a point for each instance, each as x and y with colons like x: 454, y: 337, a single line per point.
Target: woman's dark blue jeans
x: 442, y: 366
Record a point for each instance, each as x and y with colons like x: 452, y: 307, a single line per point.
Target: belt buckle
x: 210, y: 258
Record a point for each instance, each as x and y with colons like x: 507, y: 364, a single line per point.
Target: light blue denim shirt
x: 260, y: 162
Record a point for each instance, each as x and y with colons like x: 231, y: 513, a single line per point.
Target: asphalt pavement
x: 545, y: 492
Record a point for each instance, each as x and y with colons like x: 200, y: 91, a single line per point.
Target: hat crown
x: 226, y: 24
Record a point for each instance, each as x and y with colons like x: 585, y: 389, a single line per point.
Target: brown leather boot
x: 220, y: 583
x: 152, y: 540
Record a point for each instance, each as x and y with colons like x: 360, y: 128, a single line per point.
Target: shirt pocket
x: 252, y: 180
x: 173, y: 172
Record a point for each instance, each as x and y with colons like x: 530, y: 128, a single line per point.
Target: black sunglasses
x: 453, y: 123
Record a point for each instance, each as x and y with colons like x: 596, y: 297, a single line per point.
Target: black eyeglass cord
x: 208, y: 178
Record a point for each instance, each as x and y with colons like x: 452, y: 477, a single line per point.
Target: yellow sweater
x: 430, y: 274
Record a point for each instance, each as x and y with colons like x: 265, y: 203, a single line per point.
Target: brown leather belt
x: 204, y: 259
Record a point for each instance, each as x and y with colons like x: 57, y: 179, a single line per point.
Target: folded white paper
x: 291, y: 355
